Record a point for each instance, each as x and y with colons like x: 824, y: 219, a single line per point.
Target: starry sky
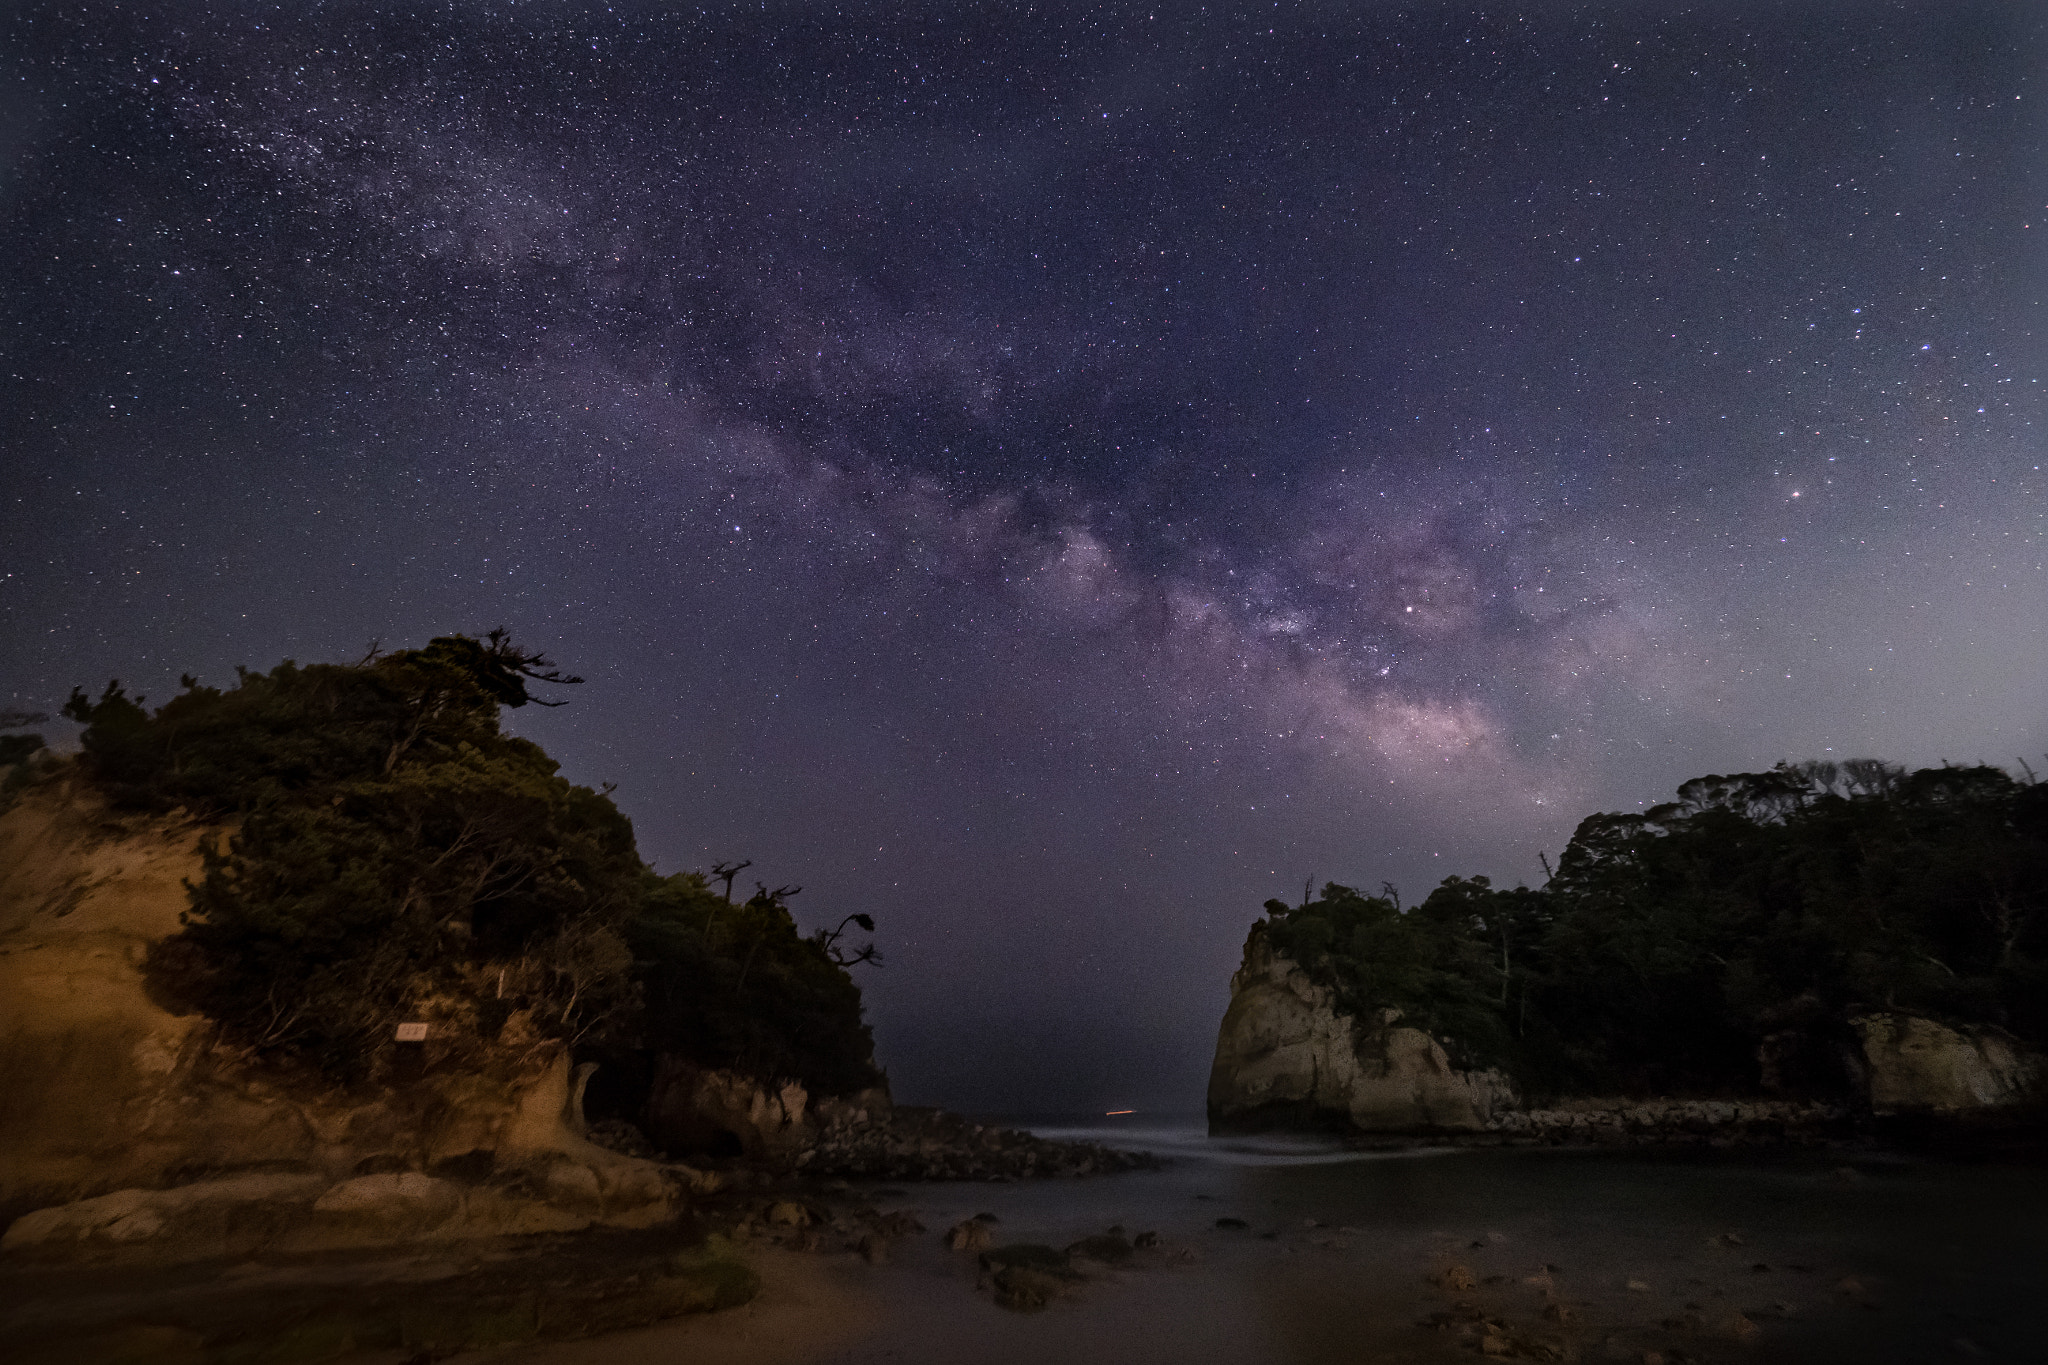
x: 1053, y: 477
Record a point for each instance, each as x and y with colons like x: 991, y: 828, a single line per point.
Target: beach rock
x: 1918, y: 1065
x: 787, y: 1213
x: 971, y: 1235
x: 1026, y: 1276
x: 1024, y: 1290
x: 1285, y: 1053
x: 1456, y: 1278
x: 904, y: 1143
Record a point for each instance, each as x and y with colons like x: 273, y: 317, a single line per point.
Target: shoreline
x: 1421, y: 1251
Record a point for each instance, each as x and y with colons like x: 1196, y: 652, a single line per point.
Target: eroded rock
x: 1284, y: 1051
x: 1918, y: 1065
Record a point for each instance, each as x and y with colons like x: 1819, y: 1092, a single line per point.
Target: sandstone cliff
x: 1915, y: 1065
x: 139, y: 1120
x: 1285, y: 1055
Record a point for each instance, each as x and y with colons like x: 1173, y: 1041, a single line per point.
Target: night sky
x: 1053, y: 479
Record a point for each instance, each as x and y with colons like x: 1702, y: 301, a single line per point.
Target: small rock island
x: 1776, y: 955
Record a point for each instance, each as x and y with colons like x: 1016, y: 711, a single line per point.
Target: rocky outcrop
x: 1673, y: 1121
x: 124, y: 1123
x: 1917, y: 1066
x: 721, y: 1114
x: 902, y: 1143
x: 1286, y: 1054
x: 693, y: 1110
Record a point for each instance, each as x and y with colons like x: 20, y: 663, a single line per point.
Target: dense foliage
x: 397, y: 856
x: 1721, y: 942
x: 738, y: 983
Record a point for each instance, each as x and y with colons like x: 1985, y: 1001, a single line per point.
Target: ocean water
x: 1752, y: 1256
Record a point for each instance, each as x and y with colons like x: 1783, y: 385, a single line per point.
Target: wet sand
x: 1292, y: 1252
x: 1741, y: 1256
x: 811, y: 1307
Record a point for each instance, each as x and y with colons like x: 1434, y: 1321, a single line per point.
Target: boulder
x: 1919, y: 1066
x: 1284, y: 1052
x: 971, y: 1235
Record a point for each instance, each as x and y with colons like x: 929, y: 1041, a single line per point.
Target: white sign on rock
x: 412, y: 1033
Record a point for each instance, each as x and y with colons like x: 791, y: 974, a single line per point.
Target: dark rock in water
x: 1026, y: 1276
x: 1232, y: 1223
x: 1025, y: 1291
x: 904, y: 1143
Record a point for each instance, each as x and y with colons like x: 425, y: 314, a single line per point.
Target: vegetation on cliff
x: 1721, y: 942
x: 397, y: 856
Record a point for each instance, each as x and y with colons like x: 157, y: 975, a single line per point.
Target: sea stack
x: 1287, y: 1057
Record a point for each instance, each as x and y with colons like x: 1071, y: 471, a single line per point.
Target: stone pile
x: 1672, y: 1121
x: 931, y: 1144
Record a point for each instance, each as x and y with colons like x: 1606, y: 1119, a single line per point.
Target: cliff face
x: 1285, y: 1055
x: 105, y: 1094
x: 1916, y: 1065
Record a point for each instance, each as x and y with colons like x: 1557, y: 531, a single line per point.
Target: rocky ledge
x: 1675, y: 1121
x: 700, y: 1115
x: 931, y: 1144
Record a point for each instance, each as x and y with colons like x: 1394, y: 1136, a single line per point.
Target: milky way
x: 1054, y: 483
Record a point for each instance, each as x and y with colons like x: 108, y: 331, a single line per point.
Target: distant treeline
x: 397, y: 856
x: 1721, y: 942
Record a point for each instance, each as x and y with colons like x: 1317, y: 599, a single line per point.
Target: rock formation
x: 1285, y: 1054
x: 1919, y: 1066
x: 122, y: 1121
x: 126, y: 1125
x: 718, y: 1113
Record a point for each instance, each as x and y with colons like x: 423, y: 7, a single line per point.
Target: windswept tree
x: 397, y: 856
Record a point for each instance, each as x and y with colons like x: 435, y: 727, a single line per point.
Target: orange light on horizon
x: 1108, y: 1112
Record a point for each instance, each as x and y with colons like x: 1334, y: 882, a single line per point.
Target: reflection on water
x: 1190, y: 1139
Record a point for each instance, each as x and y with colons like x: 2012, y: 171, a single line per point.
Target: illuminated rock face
x: 106, y: 1097
x: 1919, y: 1066
x: 1285, y: 1055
